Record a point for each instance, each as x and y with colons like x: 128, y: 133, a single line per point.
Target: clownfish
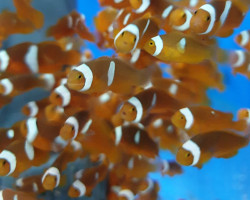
x: 151, y: 193
x: 90, y: 77
x: 240, y: 62
x: 19, y: 84
x: 73, y: 23
x: 216, y: 18
x: 51, y: 177
x: 178, y: 47
x: 151, y: 100
x: 244, y: 114
x: 8, y: 194
x: 205, y: 72
x: 190, y: 4
x: 202, y: 147
x: 115, y: 3
x: 26, y: 12
x: 135, y: 140
x: 243, y: 39
x: 86, y: 180
x: 12, y: 24
x: 19, y: 156
x: 45, y: 57
x: 201, y: 119
x: 78, y: 123
x: 134, y: 35
x: 35, y: 108
x: 30, y: 184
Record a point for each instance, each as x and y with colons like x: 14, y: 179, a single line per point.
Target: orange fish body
x: 35, y: 108
x: 201, y: 148
x: 217, y: 18
x: 134, y: 35
x: 103, y: 74
x: 243, y: 39
x: 73, y: 23
x: 115, y: 3
x: 8, y: 194
x: 200, y: 119
x: 178, y: 47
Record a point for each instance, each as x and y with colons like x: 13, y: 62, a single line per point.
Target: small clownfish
x: 119, y: 4
x: 8, y: 194
x: 135, y: 141
x: 19, y: 156
x: 35, y: 108
x: 178, y: 90
x: 240, y: 62
x: 150, y: 194
x: 44, y: 57
x: 243, y: 39
x: 73, y: 23
x: 171, y: 168
x: 163, y: 131
x: 244, y: 114
x: 53, y: 113
x: 30, y: 184
x: 151, y: 100
x: 202, y: 147
x: 40, y: 132
x: 90, y: 77
x: 26, y: 12
x: 51, y: 178
x: 205, y: 72
x: 217, y: 18
x: 19, y: 84
x: 12, y: 24
x: 65, y: 97
x: 134, y: 35
x: 78, y: 123
x: 201, y: 119
x: 178, y: 47
x: 86, y: 180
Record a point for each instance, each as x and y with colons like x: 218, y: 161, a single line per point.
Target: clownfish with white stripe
x: 19, y: 156
x: 103, y: 74
x: 240, y: 62
x: 135, y: 34
x: 200, y: 119
x: 86, y: 180
x: 27, y: 13
x: 119, y: 4
x: 216, y: 18
x: 7, y: 194
x: 44, y: 57
x: 178, y: 47
x: 202, y: 147
x: 35, y: 108
x: 244, y: 114
x: 243, y: 39
x: 73, y: 23
x: 135, y: 140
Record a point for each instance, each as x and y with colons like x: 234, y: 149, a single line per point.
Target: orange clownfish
x: 216, y: 18
x: 135, y: 35
x: 115, y: 3
x: 200, y: 119
x: 90, y: 77
x: 35, y: 108
x: 243, y: 39
x: 177, y: 47
x: 7, y: 194
x: 201, y: 148
x: 73, y: 23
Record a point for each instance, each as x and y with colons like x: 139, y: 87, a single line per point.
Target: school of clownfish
x: 120, y: 111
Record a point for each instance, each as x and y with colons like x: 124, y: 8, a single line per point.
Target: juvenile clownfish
x: 240, y: 62
x: 135, y: 141
x: 151, y: 100
x: 16, y: 85
x: 244, y: 113
x: 206, y: 73
x: 7, y: 194
x: 202, y: 147
x: 30, y: 184
x: 217, y: 18
x: 45, y: 57
x: 103, y: 74
x: 19, y: 156
x: 200, y: 119
x: 35, y: 108
x: 135, y: 35
x: 26, y: 12
x: 243, y: 39
x: 119, y: 4
x: 86, y: 180
x: 151, y: 193
x: 178, y: 47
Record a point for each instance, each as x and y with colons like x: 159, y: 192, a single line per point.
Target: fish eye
x: 187, y: 155
x: 195, y: 12
x: 58, y: 96
x: 4, y: 162
x: 123, y: 33
x: 184, y: 15
x: 133, y: 109
x: 182, y: 117
x: 72, y: 128
x: 135, y: 39
x: 80, y: 76
x: 208, y: 18
x: 151, y: 43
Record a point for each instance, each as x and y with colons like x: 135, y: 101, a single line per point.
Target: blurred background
x: 220, y: 179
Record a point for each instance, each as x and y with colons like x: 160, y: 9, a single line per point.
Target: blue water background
x: 219, y: 179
